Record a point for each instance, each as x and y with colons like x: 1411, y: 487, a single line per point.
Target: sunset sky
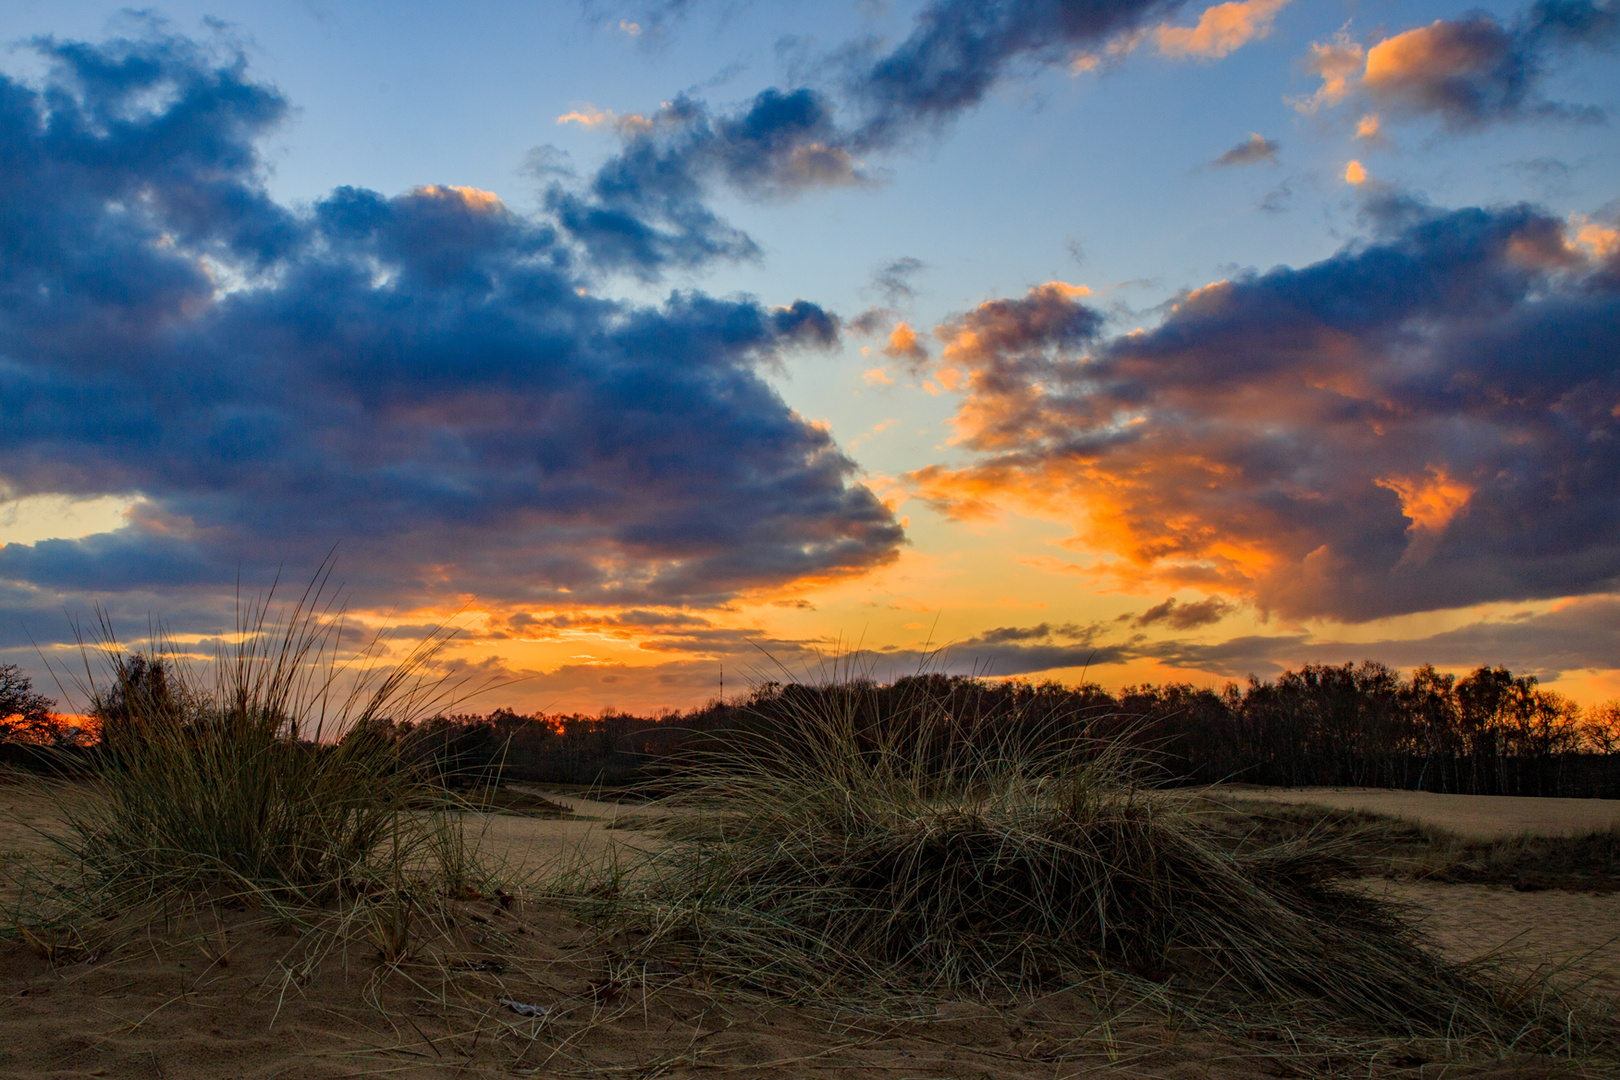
x: 1130, y: 340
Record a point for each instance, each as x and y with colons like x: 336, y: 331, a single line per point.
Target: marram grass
x: 837, y: 854
x: 271, y: 779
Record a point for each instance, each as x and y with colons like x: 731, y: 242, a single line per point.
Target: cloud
x: 960, y: 49
x: 1277, y: 199
x: 645, y: 209
x: 1004, y: 634
x: 1185, y: 616
x: 590, y: 117
x: 893, y: 282
x: 1580, y: 635
x: 1575, y: 636
x: 1428, y: 419
x: 1252, y: 151
x: 1467, y: 72
x: 1220, y: 29
x: 426, y: 379
x: 651, y: 25
x: 903, y: 345
x: 1005, y: 345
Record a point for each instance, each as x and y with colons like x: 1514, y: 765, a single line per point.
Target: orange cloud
x: 903, y: 345
x: 1355, y: 173
x: 1465, y: 71
x: 590, y: 118
x: 961, y: 495
x: 1338, y: 63
x: 1286, y: 438
x: 1037, y: 328
x: 877, y: 377
x: 1220, y: 29
x: 1600, y: 242
x: 470, y: 197
x: 997, y: 324
x: 1430, y: 500
x: 1440, y: 50
x: 1370, y: 128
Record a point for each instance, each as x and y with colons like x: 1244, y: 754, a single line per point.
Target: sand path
x: 528, y: 848
x: 1476, y: 817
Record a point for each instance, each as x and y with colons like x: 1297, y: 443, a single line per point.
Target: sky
x: 662, y: 347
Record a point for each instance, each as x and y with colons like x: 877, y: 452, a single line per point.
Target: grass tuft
x: 835, y: 854
x: 276, y: 781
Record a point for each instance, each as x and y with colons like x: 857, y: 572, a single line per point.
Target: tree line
x: 1490, y: 732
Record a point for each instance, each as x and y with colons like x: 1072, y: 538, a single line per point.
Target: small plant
x: 279, y: 779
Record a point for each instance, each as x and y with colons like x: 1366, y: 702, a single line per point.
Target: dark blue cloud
x: 424, y: 378
x: 1575, y: 21
x: 960, y: 49
x: 645, y: 210
x: 1427, y: 420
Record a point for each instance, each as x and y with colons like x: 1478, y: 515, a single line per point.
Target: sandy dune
x: 1475, y: 817
x: 524, y: 847
x: 232, y: 994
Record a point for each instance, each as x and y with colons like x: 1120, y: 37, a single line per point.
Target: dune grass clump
x: 277, y: 779
x: 835, y: 853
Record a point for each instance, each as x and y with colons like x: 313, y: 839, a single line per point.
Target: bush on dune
x: 277, y: 778
x: 838, y: 854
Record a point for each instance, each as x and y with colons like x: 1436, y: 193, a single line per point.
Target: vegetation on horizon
x: 1490, y: 732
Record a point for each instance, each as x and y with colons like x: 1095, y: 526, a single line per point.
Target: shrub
x: 23, y: 713
x: 278, y: 778
x: 837, y: 854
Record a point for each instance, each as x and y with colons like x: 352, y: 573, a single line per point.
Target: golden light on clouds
x: 1355, y: 173
x: 1430, y: 500
x: 1600, y: 242
x: 590, y: 118
x: 472, y: 198
x: 1425, y: 51
x: 903, y: 344
x: 1220, y: 29
x: 1338, y: 63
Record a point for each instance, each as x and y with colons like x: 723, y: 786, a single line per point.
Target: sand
x: 236, y: 997
x: 593, y: 833
x: 233, y: 994
x: 1577, y: 931
x: 1475, y: 817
